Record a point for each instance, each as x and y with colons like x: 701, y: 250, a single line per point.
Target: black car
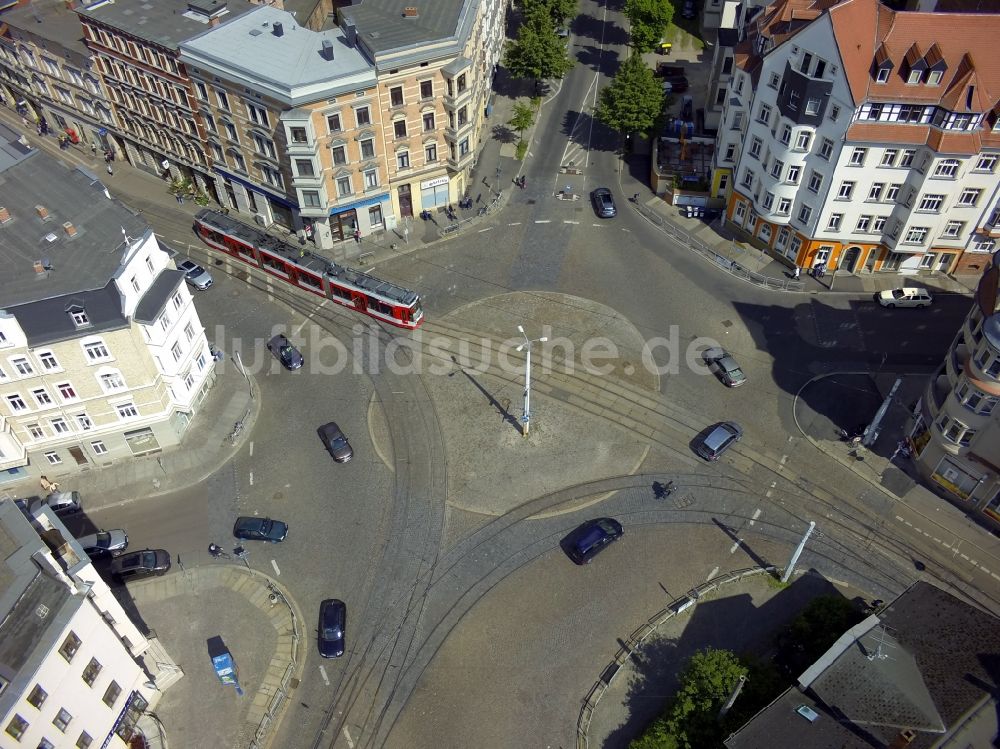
x: 260, y: 529
x: 141, y: 564
x: 332, y: 625
x: 289, y: 356
x: 589, y: 539
x: 604, y: 203
x: 335, y: 442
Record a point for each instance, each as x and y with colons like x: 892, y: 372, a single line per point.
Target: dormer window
x: 934, y: 78
x: 914, y: 77
x: 79, y: 316
x: 882, y: 75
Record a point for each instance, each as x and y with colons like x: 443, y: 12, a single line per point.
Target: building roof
x: 48, y: 321
x: 292, y: 66
x: 928, y: 663
x: 167, y: 22
x: 85, y: 262
x: 48, y: 20
x: 157, y: 295
x: 383, y: 26
x: 777, y: 22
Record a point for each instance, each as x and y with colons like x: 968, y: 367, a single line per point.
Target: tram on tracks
x: 350, y: 288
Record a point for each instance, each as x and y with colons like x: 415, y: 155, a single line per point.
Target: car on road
x: 194, y: 274
x: 104, y: 543
x: 718, y: 439
x: 689, y: 10
x: 588, y: 540
x: 62, y: 503
x: 289, y: 356
x: 335, y: 442
x: 722, y: 363
x: 141, y: 564
x: 908, y: 296
x: 604, y: 203
x: 260, y: 529
x: 332, y: 628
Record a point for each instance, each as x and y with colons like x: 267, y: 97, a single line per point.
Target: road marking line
x: 756, y: 515
x: 567, y: 221
x: 276, y: 570
x: 783, y: 459
x: 712, y: 574
x: 543, y: 221
x: 986, y: 570
x: 309, y: 317
x: 322, y: 672
x: 251, y: 448
x: 627, y: 231
x: 768, y: 494
x: 350, y: 741
x: 516, y: 223
x: 251, y: 478
x: 736, y: 545
x: 488, y: 228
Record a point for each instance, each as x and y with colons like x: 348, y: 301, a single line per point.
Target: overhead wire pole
x: 526, y: 418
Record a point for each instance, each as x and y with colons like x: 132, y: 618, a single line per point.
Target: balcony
x: 461, y: 162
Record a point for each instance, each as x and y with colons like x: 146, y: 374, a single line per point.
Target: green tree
x: 633, y: 101
x: 524, y: 116
x: 706, y: 683
x: 562, y: 10
x: 813, y: 631
x: 538, y: 52
x: 649, y: 20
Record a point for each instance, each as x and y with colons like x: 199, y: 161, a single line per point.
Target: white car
x: 194, y: 274
x: 908, y: 296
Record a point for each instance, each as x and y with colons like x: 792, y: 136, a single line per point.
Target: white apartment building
x: 74, y: 670
x: 102, y: 352
x: 863, y: 138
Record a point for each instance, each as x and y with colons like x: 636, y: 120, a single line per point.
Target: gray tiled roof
x: 156, y: 296
x: 83, y: 263
x: 47, y: 321
x: 382, y: 27
x: 51, y: 20
x: 164, y: 22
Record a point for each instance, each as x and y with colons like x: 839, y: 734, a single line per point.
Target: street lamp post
x: 526, y: 419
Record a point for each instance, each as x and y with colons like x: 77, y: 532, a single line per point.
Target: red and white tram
x: 350, y: 288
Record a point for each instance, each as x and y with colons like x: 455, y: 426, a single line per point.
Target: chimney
x: 42, y: 211
x: 352, y: 33
x: 905, y: 737
x: 327, y: 51
x: 410, y: 11
x: 4, y: 215
x: 214, y: 21
x: 278, y: 29
x: 69, y: 229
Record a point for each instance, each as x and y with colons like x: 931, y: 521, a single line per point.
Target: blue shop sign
x: 279, y: 199
x: 374, y: 200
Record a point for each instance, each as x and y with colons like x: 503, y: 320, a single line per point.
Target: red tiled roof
x: 778, y: 21
x: 942, y: 141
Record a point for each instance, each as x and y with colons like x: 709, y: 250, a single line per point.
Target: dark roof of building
x: 48, y: 321
x: 85, y: 262
x: 924, y: 664
x: 383, y: 27
x: 50, y: 20
x: 156, y: 296
x: 168, y: 22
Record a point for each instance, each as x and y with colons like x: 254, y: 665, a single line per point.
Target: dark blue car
x: 591, y: 538
x: 332, y: 625
x: 260, y: 529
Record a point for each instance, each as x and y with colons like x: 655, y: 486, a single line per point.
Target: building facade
x: 864, y: 152
x: 74, y: 670
x: 102, y: 352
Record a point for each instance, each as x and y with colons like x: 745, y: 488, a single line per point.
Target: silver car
x: 718, y: 439
x: 104, y: 543
x: 725, y: 367
x: 62, y: 503
x: 194, y: 274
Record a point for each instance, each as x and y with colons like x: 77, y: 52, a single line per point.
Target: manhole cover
x: 279, y: 495
x: 727, y: 323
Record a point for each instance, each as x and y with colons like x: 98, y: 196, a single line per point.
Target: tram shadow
x: 502, y: 408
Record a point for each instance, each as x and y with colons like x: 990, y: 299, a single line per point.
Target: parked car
x: 689, y: 10
x: 289, y: 356
x: 675, y: 86
x: 61, y: 503
x: 194, y: 274
x: 141, y: 564
x: 335, y: 441
x: 588, y: 540
x: 260, y: 529
x: 718, y: 439
x: 332, y: 628
x: 908, y: 296
x: 104, y: 543
x: 722, y: 363
x: 604, y: 203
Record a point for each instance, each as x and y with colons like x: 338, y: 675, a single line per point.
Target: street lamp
x: 526, y: 419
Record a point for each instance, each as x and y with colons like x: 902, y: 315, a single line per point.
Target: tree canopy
x: 633, y: 101
x: 538, y: 52
x: 649, y: 20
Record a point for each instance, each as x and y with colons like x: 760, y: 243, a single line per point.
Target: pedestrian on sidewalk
x: 93, y: 148
x: 180, y: 198
x: 357, y: 236
x: 635, y: 198
x: 109, y: 169
x: 796, y: 272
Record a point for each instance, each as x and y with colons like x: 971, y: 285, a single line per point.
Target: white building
x: 863, y: 138
x: 102, y: 353
x: 74, y: 670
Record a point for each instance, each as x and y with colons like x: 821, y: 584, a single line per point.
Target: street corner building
x: 102, y: 353
x: 74, y: 670
x: 862, y: 138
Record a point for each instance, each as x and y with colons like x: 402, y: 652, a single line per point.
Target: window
x: 371, y: 178
x: 463, y: 147
x: 16, y: 403
x: 69, y: 647
x: 305, y: 167
x: 231, y: 131
x: 768, y: 200
x: 53, y: 458
x: 784, y: 206
x: 803, y: 140
x: 177, y: 300
x: 747, y: 178
x: 23, y: 366
x: 953, y: 229
x: 112, y: 381
x: 773, y: 80
x: 91, y: 672
x: 37, y: 696
x: 126, y: 410
x: 878, y: 224
x: 835, y: 220
x: 805, y: 212
x: 48, y: 360
x: 786, y: 134
x: 426, y: 89
x: 461, y: 83
x: 969, y: 197
x: 864, y: 224
x: 428, y: 121
x: 946, y: 168
x: 189, y: 331
x: 344, y: 186
x: 815, y: 181
x: 916, y: 235
x: 906, y: 160
x: 730, y: 152
x: 892, y: 193
x: 986, y: 163
x: 362, y: 116
x: 42, y: 397
x: 36, y: 431
x: 755, y: 146
x: 339, y: 154
x: 368, y: 148
x: 399, y: 128
x: 931, y: 203
x: 84, y: 422
x: 175, y: 351
x: 46, y: 744
x: 200, y: 361
x: 914, y: 77
x: 764, y: 114
x: 333, y: 124
x: 846, y: 190
x: 96, y: 351
x: 737, y: 120
x: 812, y: 106
x: 882, y: 75
x: 794, y: 172
x: 17, y: 727
x: 826, y: 149
x: 889, y: 156
x: 430, y: 153
x: 396, y: 96
x: 84, y: 741
x: 59, y: 425
x: 403, y: 160
x: 62, y: 719
x: 222, y: 98
x: 99, y: 449
x: 111, y: 694
x: 858, y: 156
x: 298, y: 135
x: 834, y: 110
x: 875, y: 193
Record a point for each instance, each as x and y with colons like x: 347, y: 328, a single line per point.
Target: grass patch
x: 522, y: 149
x: 684, y: 37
